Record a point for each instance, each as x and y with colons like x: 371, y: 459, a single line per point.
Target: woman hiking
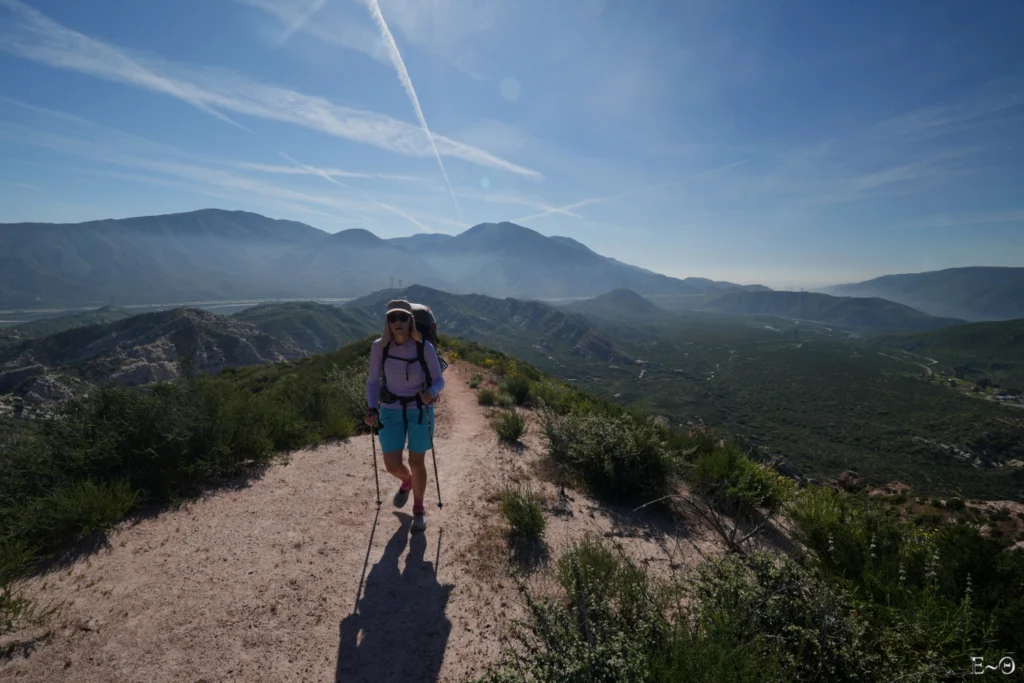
x: 404, y: 381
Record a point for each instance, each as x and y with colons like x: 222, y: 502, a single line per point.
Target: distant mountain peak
x: 356, y: 237
x: 504, y: 227
x: 620, y: 303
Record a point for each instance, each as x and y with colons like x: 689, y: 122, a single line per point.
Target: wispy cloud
x: 508, y: 198
x: 966, y: 219
x: 940, y: 119
x: 238, y: 198
x: 334, y: 172
x: 628, y: 193
x: 138, y: 153
x: 387, y: 207
x: 38, y: 38
x: 403, y: 76
x: 333, y: 30
x: 31, y: 35
x: 24, y: 186
x: 440, y: 26
x: 205, y: 175
x: 301, y: 20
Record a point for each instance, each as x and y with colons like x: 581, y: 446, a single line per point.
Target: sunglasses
x: 398, y: 317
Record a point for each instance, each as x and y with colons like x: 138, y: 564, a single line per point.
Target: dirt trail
x: 261, y: 583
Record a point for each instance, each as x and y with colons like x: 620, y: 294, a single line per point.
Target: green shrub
x: 522, y: 511
x: 955, y: 504
x: 486, y: 397
x: 73, y: 512
x: 518, y: 387
x: 551, y: 395
x: 509, y: 425
x: 606, y: 630
x: 927, y: 519
x: 506, y: 400
x: 619, y: 458
x: 790, y: 616
x: 618, y: 623
x: 587, y: 560
x: 727, y: 474
x: 15, y: 560
x: 474, y: 381
x: 914, y: 583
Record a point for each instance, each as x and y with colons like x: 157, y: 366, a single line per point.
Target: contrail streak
x: 30, y: 35
x: 403, y: 76
x: 387, y: 207
x: 43, y: 40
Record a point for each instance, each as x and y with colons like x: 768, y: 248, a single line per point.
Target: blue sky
x: 783, y: 143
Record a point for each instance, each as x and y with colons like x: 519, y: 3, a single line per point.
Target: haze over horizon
x: 748, y: 143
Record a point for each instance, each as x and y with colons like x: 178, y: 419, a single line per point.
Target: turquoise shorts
x: 393, y: 431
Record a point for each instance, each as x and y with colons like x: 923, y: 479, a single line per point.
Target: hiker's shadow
x: 398, y: 631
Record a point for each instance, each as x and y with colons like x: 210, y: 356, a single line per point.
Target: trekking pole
x: 376, y: 477
x: 433, y: 452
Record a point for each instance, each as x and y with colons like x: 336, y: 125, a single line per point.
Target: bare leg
x: 419, y: 475
x: 393, y: 463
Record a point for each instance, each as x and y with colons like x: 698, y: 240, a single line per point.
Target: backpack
x: 426, y: 325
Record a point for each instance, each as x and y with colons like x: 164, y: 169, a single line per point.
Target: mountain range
x: 217, y: 255
x: 107, y: 345
x: 45, y: 362
x: 535, y: 331
x: 975, y: 294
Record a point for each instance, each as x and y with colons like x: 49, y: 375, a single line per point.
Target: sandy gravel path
x: 299, y: 577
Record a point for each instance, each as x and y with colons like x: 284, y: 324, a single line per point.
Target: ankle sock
x: 417, y: 507
x: 407, y: 484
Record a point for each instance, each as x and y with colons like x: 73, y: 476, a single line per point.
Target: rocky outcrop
x: 851, y: 481
x: 786, y: 469
x: 893, y: 488
x: 138, y: 350
x: 156, y: 362
x: 44, y: 389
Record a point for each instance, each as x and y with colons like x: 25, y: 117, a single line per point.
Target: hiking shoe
x: 402, y: 497
x: 419, y: 522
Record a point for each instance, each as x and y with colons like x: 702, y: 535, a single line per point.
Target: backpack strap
x: 383, y: 365
x: 423, y: 363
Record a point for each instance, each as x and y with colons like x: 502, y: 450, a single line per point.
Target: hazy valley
x: 825, y: 383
